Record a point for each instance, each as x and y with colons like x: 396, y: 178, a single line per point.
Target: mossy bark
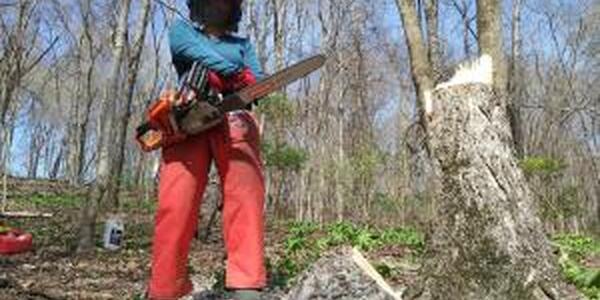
x: 487, y: 242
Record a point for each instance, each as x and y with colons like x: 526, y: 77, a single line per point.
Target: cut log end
x: 342, y: 274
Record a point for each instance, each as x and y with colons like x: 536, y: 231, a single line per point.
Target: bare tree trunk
x: 423, y: 79
x: 55, y: 168
x: 279, y: 14
x: 419, y: 62
x: 35, y: 148
x: 80, y: 110
x: 133, y: 70
x: 339, y: 193
x: 433, y: 47
x: 488, y: 242
x: 12, y: 61
x: 87, y: 221
x: 489, y: 33
x: 514, y: 83
x: 73, y: 151
x: 259, y: 35
x: 5, y: 153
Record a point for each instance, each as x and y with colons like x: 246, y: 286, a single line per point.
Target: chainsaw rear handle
x: 147, y: 137
x: 162, y: 128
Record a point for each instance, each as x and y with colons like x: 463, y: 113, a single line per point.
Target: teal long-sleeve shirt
x: 225, y: 55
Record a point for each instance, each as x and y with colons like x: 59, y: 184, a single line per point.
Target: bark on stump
x: 342, y: 274
x: 487, y: 242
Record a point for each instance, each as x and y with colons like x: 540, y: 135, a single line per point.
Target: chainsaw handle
x: 148, y: 138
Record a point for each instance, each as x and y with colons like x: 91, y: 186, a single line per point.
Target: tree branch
x: 37, y: 60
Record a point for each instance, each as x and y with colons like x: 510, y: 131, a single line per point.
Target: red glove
x: 216, y: 82
x: 240, y: 80
x: 233, y: 83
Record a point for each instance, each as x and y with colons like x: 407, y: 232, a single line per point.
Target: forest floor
x: 51, y: 271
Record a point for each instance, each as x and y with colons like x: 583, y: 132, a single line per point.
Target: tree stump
x: 487, y: 242
x: 342, y: 274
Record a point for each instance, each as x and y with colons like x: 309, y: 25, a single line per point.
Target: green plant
x: 587, y: 280
x: 365, y: 160
x: 541, y: 165
x: 302, y: 228
x: 51, y: 201
x: 283, y: 156
x: 276, y: 107
x: 294, y: 244
x: 340, y: 232
x: 573, y: 249
x: 404, y: 236
x: 306, y: 242
x: 577, y: 246
x: 365, y: 239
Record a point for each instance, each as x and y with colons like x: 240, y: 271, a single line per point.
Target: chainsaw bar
x: 249, y: 94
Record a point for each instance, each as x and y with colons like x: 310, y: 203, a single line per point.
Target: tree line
x: 346, y: 143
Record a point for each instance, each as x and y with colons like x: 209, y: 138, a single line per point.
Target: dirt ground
x: 52, y: 271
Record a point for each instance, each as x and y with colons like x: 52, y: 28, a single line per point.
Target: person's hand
x: 216, y: 82
x: 241, y: 79
x: 231, y: 83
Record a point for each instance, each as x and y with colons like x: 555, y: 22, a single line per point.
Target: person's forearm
x: 187, y: 46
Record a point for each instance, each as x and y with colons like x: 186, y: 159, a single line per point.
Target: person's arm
x: 251, y: 61
x: 188, y: 45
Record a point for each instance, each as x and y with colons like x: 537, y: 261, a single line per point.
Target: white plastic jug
x: 113, y: 233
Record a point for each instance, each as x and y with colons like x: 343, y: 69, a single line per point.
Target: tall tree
x: 489, y: 34
x: 104, y: 159
x: 134, y: 60
x: 514, y: 79
x: 423, y: 76
x: 279, y: 22
x: 433, y: 45
x: 79, y: 111
x: 421, y: 68
x: 19, y: 28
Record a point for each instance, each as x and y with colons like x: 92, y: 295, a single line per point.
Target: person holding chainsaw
x: 234, y: 146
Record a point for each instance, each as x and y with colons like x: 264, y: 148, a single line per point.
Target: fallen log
x: 25, y: 214
x: 342, y: 274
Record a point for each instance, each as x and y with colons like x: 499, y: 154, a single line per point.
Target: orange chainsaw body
x: 162, y: 129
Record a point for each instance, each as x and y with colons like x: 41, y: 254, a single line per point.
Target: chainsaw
x: 198, y: 107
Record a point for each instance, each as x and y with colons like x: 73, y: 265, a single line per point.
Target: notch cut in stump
x: 487, y: 241
x: 341, y: 274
